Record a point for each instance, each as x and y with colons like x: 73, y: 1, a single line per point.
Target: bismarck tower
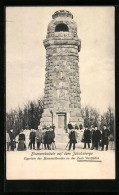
x: 62, y: 102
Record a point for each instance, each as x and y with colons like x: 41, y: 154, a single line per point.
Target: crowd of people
x: 44, y: 138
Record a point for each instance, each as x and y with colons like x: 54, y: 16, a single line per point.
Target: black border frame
x: 55, y: 185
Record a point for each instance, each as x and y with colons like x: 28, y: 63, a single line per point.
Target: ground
x: 61, y: 163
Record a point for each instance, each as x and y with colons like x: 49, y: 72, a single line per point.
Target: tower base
x: 60, y: 120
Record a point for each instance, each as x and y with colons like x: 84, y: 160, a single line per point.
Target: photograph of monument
x: 60, y: 92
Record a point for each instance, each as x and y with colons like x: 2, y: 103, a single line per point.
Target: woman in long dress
x: 21, y: 144
x: 80, y: 135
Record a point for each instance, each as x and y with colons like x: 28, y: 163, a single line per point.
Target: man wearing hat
x: 7, y: 141
x: 105, y: 135
x: 32, y: 139
x: 12, y: 140
x: 43, y: 135
x: 49, y: 137
x: 52, y: 136
x: 72, y: 138
x: 87, y: 137
x: 96, y: 137
x: 38, y: 137
x: 46, y: 138
x: 92, y: 130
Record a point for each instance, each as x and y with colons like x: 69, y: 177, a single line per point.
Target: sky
x: 26, y: 28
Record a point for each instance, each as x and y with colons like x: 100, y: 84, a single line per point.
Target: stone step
x: 61, y: 138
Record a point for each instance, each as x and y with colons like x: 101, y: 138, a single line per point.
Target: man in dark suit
x: 32, y: 138
x: 12, y: 140
x: 105, y: 135
x: 87, y: 137
x: 38, y: 137
x: 97, y: 137
x: 92, y: 131
x: 72, y: 138
x: 52, y: 134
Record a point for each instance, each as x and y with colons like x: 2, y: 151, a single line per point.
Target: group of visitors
x: 43, y: 138
x: 93, y: 135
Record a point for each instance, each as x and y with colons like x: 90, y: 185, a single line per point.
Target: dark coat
x: 96, y: 136
x: 92, y: 135
x: 12, y: 140
x: 72, y: 137
x: 105, y: 135
x: 87, y: 136
x: 21, y: 145
x: 52, y: 136
x: 12, y: 136
x: 32, y: 137
x: 47, y: 138
x: 21, y: 136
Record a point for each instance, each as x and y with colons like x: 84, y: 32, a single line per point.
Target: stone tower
x: 62, y: 102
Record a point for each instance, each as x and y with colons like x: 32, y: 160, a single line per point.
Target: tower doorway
x: 61, y: 122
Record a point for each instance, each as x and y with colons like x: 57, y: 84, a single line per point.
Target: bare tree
x: 90, y: 116
x: 26, y: 118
